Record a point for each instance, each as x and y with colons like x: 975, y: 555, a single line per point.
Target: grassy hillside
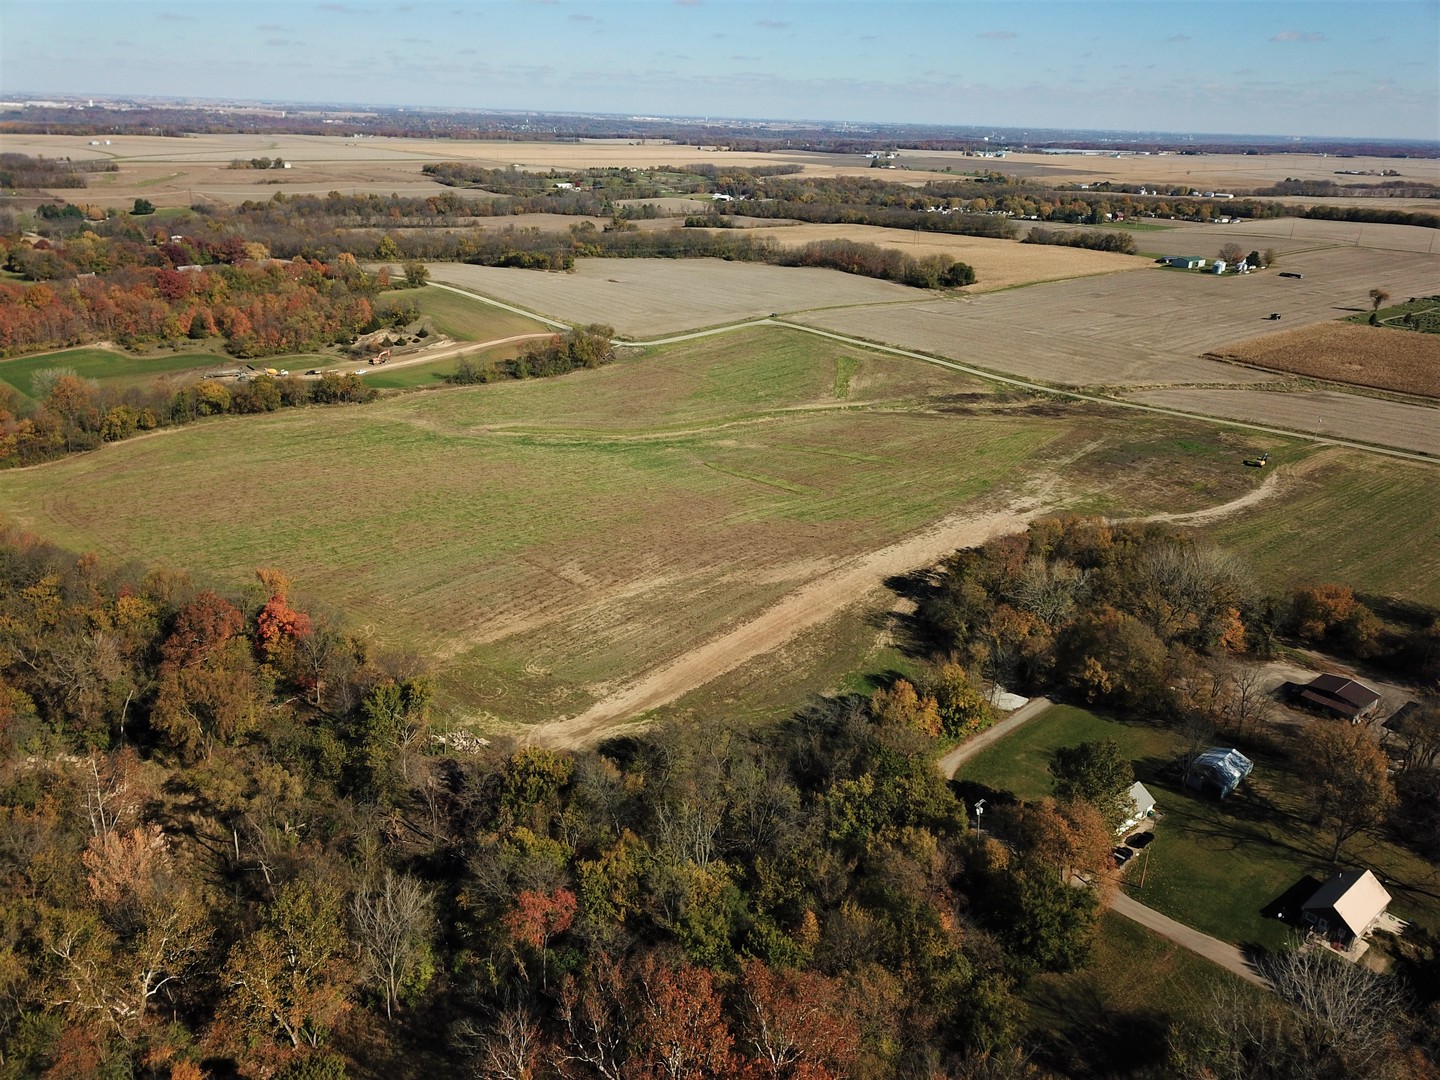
x: 1370, y: 522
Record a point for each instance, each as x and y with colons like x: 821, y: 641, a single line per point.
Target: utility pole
x: 1146, y: 868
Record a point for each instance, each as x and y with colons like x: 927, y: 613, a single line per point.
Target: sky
x: 1288, y: 68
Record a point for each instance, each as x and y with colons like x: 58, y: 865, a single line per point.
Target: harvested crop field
x: 1149, y: 328
x: 644, y: 298
x: 1400, y: 360
x: 1323, y: 412
x: 999, y: 264
x: 1295, y: 234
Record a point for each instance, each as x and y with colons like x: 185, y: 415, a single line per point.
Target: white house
x: 1144, y: 804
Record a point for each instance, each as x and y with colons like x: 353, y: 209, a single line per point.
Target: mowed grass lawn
x: 470, y: 320
x: 107, y: 366
x: 539, y: 538
x: 1213, y: 865
x: 1368, y: 522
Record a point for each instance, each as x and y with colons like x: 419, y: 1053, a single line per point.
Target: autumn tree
x: 1231, y: 253
x: 393, y: 921
x: 681, y: 1031
x: 796, y: 1024
x: 1378, y: 299
x: 902, y: 706
x: 209, y: 688
x: 536, y: 918
x: 1099, y: 774
x: 287, y: 979
x: 1067, y: 838
x: 1350, y: 789
x: 1110, y: 655
x: 962, y: 706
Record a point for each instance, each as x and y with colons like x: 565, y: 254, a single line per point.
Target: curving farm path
x: 817, y: 601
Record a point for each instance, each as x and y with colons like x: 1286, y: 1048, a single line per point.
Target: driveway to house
x: 1213, y: 949
x: 966, y: 750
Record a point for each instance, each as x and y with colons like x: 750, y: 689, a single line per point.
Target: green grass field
x: 546, y: 536
x: 1213, y: 865
x: 1369, y: 522
x: 107, y: 366
x: 469, y: 320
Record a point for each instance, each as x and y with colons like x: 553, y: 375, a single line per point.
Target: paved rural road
x: 966, y: 750
x: 1220, y: 952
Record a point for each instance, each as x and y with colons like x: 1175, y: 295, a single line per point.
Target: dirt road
x: 818, y: 601
x: 968, y: 749
x: 1213, y: 949
x: 807, y: 606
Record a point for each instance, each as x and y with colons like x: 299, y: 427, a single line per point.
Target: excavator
x: 382, y: 357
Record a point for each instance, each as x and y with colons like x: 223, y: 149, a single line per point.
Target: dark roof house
x: 1347, y: 905
x: 1339, y: 696
x: 1218, y: 771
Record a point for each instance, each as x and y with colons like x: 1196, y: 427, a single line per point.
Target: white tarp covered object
x: 1005, y: 701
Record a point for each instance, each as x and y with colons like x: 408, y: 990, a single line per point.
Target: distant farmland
x: 645, y: 298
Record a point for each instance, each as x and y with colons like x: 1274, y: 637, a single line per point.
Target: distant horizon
x: 100, y: 99
x: 1280, y: 68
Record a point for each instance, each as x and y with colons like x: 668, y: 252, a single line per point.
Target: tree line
x: 1097, y: 240
x: 72, y: 414
x: 168, y: 290
x: 232, y: 843
x: 583, y: 347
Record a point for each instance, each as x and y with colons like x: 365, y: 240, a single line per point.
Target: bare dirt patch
x: 1323, y: 412
x: 1388, y: 359
x: 649, y: 297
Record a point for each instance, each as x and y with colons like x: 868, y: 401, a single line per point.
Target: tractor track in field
x: 826, y: 596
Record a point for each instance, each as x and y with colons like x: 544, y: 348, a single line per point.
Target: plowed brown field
x: 1399, y: 360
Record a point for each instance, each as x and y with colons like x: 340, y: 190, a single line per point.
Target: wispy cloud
x: 276, y: 43
x: 772, y: 24
x: 998, y: 35
x: 1178, y: 39
x: 1298, y: 35
x: 577, y: 17
x: 337, y: 8
x: 170, y: 16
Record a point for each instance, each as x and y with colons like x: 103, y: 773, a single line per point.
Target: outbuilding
x: 1346, y: 906
x: 1218, y: 771
x: 1185, y: 262
x: 1336, y: 695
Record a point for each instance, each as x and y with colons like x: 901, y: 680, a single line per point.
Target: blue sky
x: 1231, y: 66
